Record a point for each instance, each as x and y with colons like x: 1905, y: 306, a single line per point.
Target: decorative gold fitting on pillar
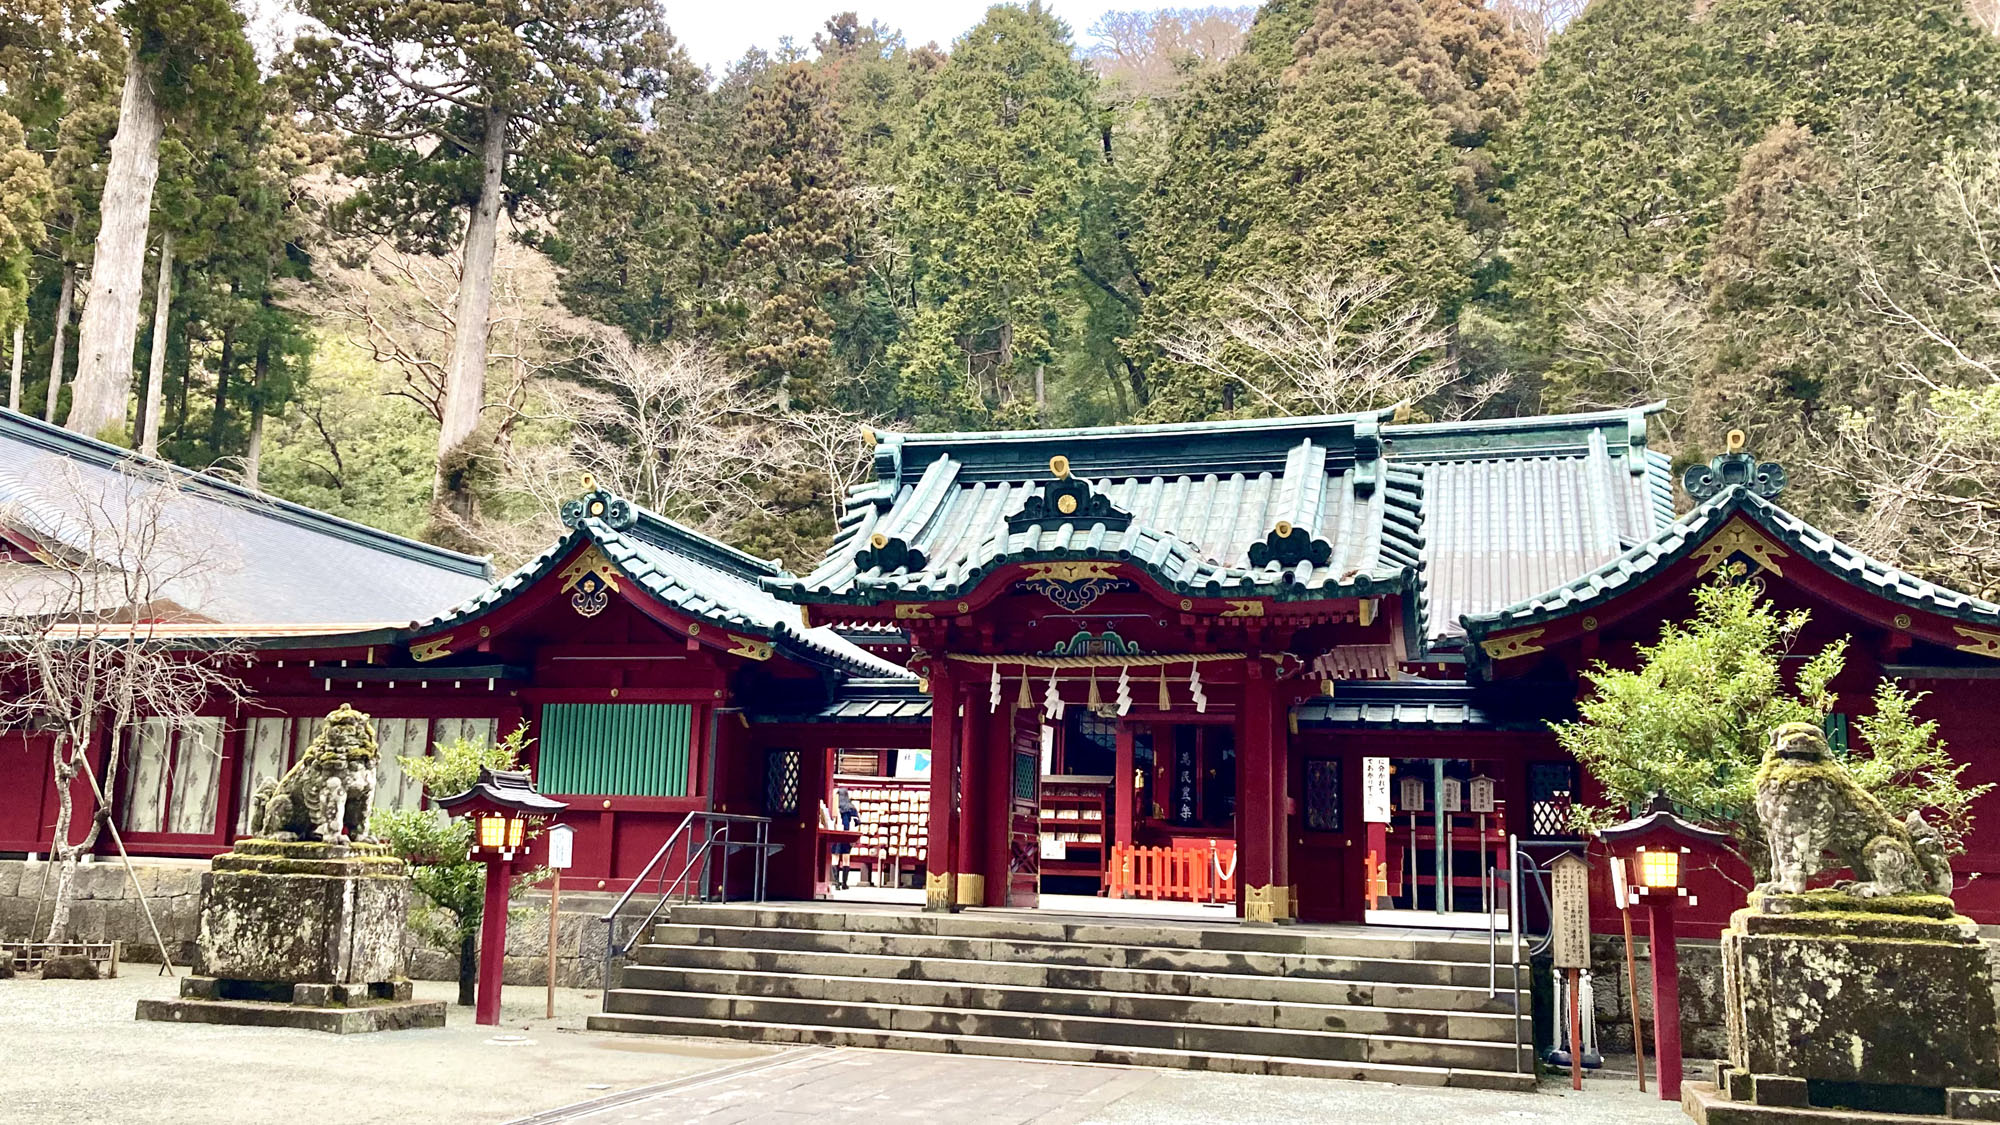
x: 1267, y: 905
x: 971, y: 890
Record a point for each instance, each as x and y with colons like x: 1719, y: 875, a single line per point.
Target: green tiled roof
x: 876, y: 700
x: 1457, y: 517
x: 1687, y: 534
x: 692, y: 573
x: 1195, y: 506
x: 1412, y: 704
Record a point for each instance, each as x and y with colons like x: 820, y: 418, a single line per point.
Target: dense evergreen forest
x: 430, y: 261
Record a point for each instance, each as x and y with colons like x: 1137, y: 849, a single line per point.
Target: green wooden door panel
x: 615, y: 749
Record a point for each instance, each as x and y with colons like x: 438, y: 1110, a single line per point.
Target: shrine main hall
x: 1304, y: 666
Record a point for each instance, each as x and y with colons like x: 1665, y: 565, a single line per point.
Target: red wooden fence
x: 1203, y: 871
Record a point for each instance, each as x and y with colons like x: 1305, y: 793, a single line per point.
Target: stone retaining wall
x: 106, y: 910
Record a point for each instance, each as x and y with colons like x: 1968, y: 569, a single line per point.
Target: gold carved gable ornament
x: 1744, y: 547
x: 590, y: 581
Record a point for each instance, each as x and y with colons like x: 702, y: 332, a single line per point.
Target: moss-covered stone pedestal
x: 1853, y: 1010
x: 301, y: 935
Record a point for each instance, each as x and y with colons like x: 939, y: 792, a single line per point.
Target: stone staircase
x: 1336, y: 1002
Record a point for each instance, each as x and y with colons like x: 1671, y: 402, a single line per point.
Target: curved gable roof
x: 1458, y: 517
x: 1706, y: 529
x: 1194, y: 505
x: 687, y: 571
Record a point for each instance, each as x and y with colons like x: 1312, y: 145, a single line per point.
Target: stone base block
x: 1882, y: 995
x: 1710, y: 1106
x: 386, y: 1015
x: 303, y: 912
x: 311, y: 995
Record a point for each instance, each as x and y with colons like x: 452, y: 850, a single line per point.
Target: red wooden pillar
x: 1666, y: 996
x: 941, y: 848
x: 492, y: 942
x: 975, y: 817
x: 1260, y: 807
x: 1124, y: 791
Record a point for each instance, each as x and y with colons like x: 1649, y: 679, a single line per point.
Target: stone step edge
x: 1160, y: 1058
x: 693, y: 911
x: 1069, y: 944
x: 1094, y: 1021
x: 1524, y: 1015
x: 1358, y: 980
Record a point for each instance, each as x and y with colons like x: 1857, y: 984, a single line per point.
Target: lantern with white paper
x: 1451, y: 792
x: 1479, y: 797
x: 1410, y: 798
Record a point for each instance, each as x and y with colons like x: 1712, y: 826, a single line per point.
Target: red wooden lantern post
x: 1659, y: 844
x: 502, y: 805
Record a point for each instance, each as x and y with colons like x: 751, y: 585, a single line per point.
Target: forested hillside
x: 429, y: 262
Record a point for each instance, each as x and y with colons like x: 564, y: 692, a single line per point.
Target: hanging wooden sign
x: 1569, y: 887
x: 1375, y: 791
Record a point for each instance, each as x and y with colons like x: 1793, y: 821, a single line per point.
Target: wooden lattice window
x: 1323, y: 795
x: 1551, y: 796
x: 781, y: 782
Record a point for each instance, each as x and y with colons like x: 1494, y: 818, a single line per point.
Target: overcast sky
x: 719, y: 31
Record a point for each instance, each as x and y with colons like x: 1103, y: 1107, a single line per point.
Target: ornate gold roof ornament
x: 598, y: 504
x: 1067, y: 499
x: 1734, y: 469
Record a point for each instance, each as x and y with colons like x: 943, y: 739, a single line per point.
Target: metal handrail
x: 716, y: 838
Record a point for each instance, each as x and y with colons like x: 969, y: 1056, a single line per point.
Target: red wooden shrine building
x: 1314, y: 656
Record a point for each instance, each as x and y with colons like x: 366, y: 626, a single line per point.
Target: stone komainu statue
x: 328, y: 794
x: 1811, y: 805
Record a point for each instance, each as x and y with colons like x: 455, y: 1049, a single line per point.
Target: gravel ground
x: 71, y: 1053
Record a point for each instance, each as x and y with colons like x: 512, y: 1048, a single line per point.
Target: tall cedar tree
x: 1465, y: 61
x: 189, y: 71
x: 789, y: 215
x: 459, y: 109
x: 63, y: 62
x: 1198, y: 211
x: 1923, y: 58
x: 241, y: 228
x: 24, y: 195
x: 1353, y: 171
x: 1005, y: 159
x: 1620, y: 160
x: 1356, y: 171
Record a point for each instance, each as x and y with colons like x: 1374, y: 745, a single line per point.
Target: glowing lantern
x: 501, y: 805
x: 1655, y: 843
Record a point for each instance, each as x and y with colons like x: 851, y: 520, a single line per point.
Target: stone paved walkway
x: 71, y: 1054
x: 846, y: 1086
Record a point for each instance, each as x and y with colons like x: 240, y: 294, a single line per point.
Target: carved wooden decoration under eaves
x: 1512, y: 644
x: 1978, y: 641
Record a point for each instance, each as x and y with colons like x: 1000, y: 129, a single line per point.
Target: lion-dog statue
x: 328, y: 793
x: 1811, y: 806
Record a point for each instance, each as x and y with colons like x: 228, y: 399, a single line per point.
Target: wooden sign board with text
x: 1569, y: 889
